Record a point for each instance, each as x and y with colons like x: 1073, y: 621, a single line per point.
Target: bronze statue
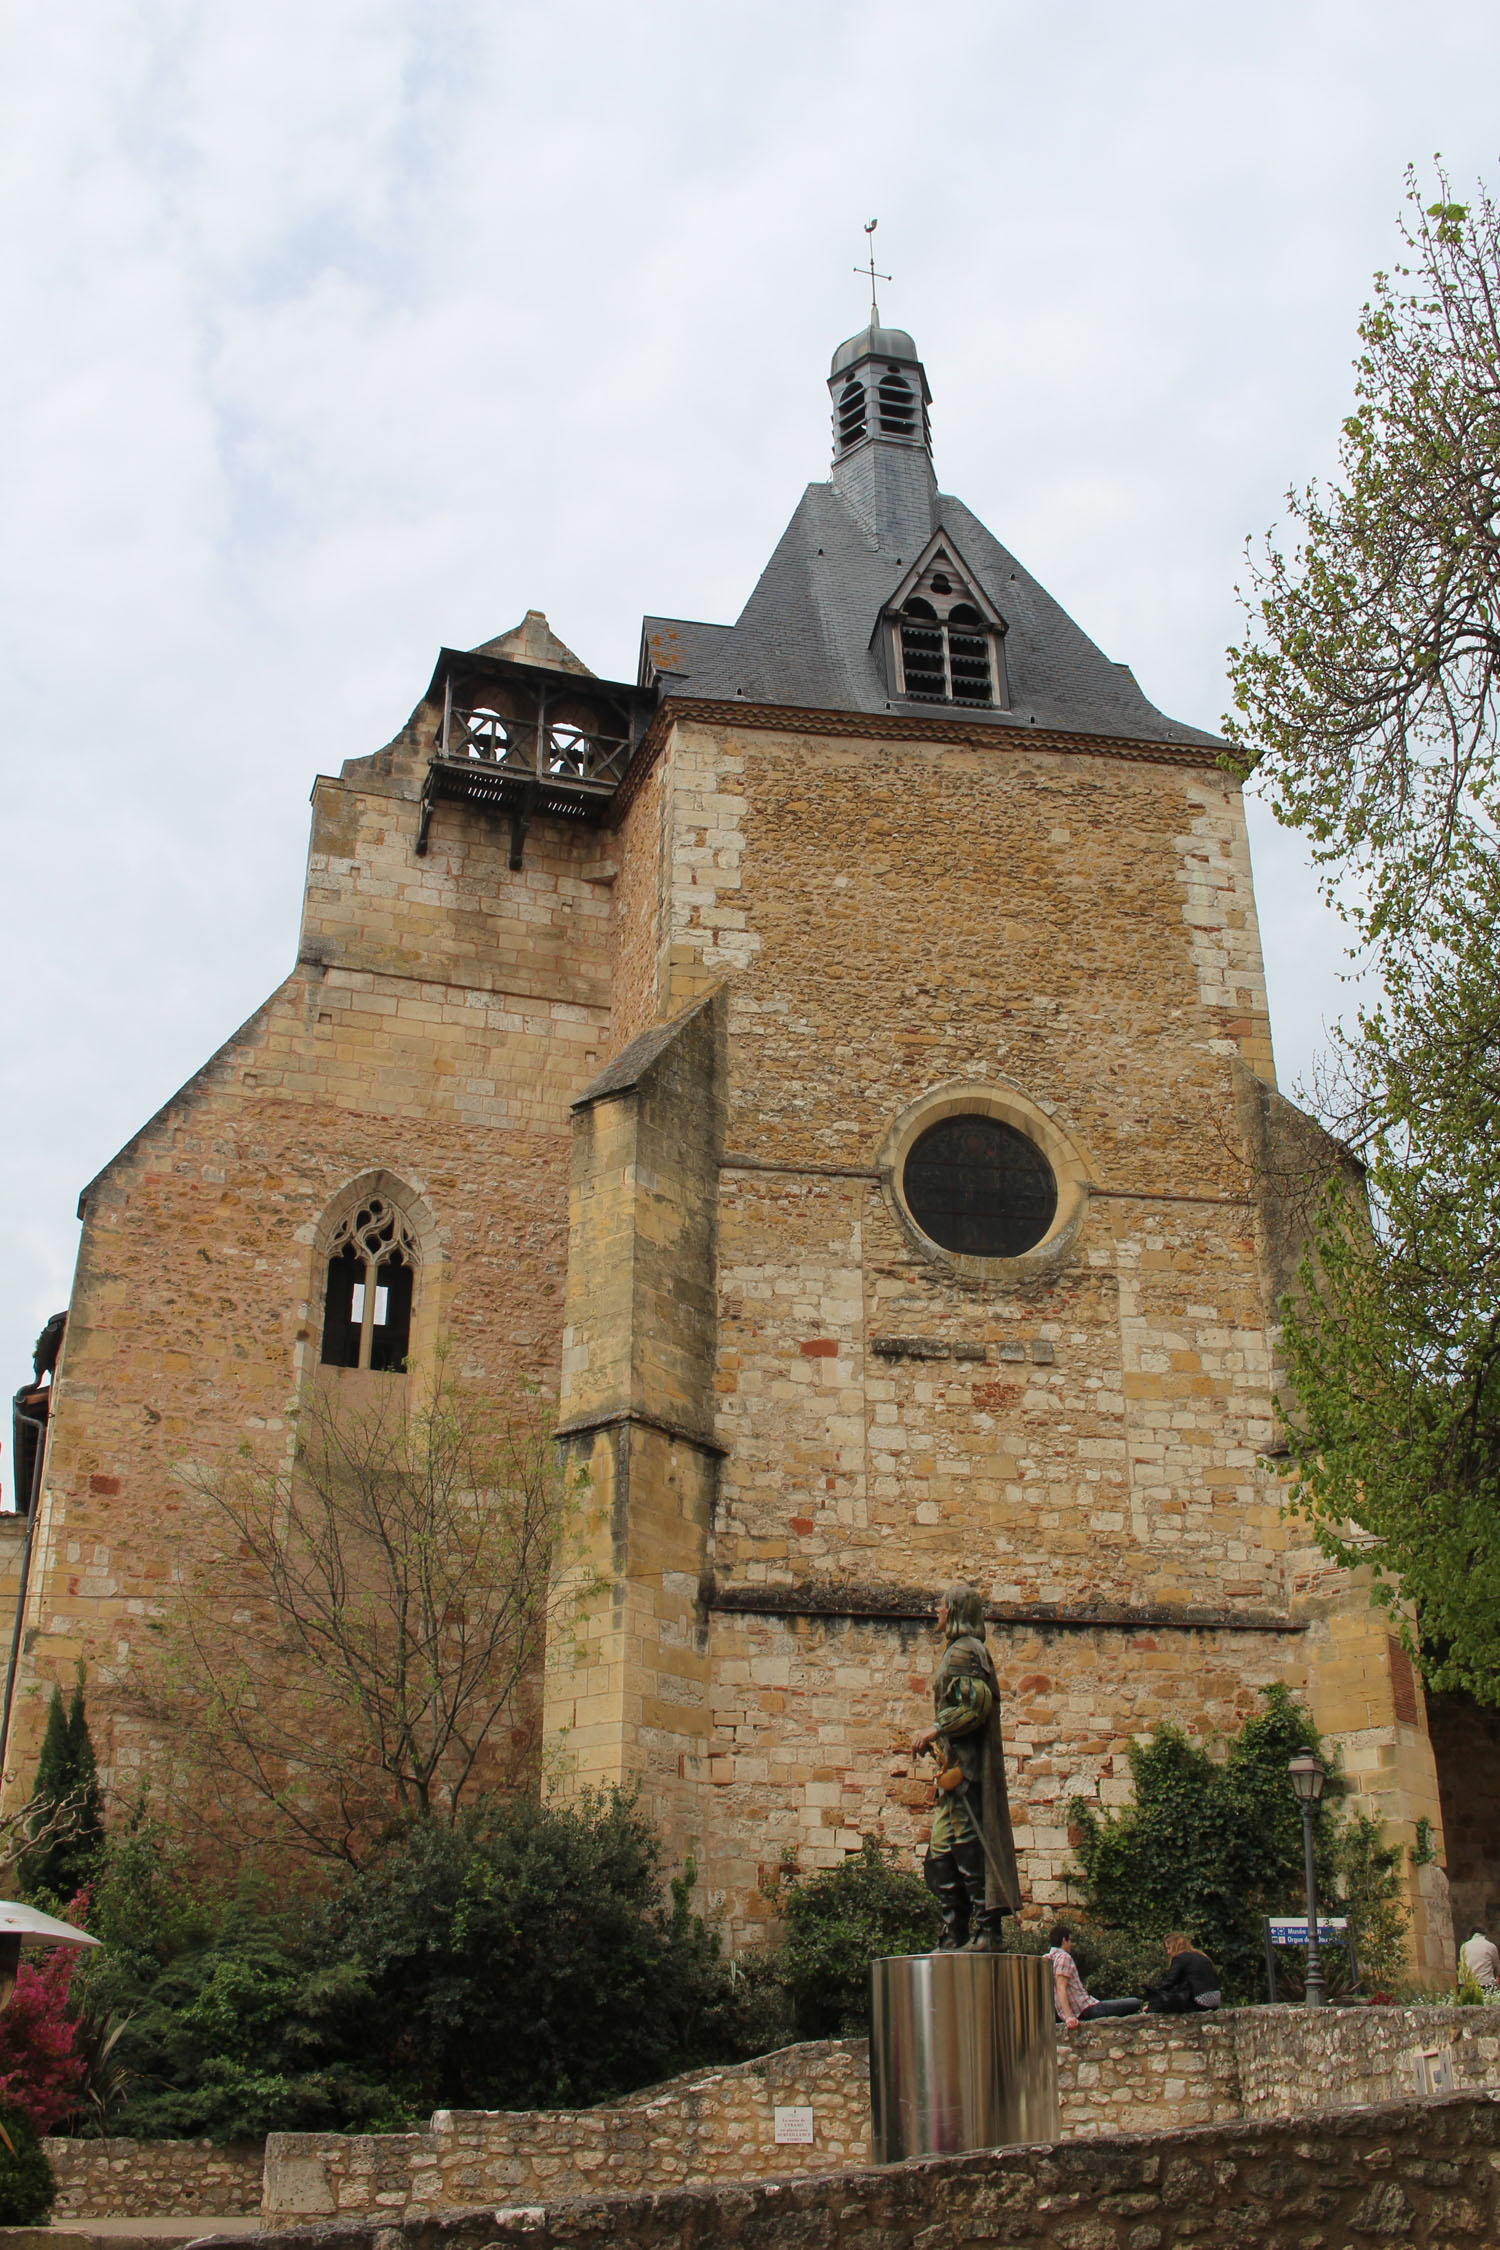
x: 971, y: 1858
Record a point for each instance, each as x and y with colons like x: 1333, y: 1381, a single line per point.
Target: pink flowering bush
x: 40, y: 2075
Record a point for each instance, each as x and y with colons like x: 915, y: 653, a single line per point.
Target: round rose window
x: 976, y: 1186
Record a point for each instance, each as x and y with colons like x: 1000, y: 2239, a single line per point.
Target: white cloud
x: 342, y: 330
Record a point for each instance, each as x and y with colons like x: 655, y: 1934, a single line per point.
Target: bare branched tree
x: 30, y: 1827
x: 365, y: 1651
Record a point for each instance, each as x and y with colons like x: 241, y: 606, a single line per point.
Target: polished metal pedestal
x: 963, y: 2053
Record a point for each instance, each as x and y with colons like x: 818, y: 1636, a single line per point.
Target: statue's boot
x: 984, y: 1921
x: 940, y: 1874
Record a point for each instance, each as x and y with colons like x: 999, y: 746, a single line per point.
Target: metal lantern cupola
x: 879, y: 391
x: 882, y: 439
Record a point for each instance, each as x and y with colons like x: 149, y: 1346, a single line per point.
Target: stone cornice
x: 918, y: 1605
x: 877, y: 726
x: 635, y: 1417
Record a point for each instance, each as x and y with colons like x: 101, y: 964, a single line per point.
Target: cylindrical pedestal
x: 963, y: 2053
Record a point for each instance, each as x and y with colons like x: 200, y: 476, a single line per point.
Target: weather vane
x: 874, y: 276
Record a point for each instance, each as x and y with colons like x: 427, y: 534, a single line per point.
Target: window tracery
x: 372, y: 1265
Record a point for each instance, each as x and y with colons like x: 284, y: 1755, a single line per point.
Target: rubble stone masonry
x: 1426, y: 2173
x: 1071, y: 933
x: 801, y: 1417
x: 1138, y: 2075
x: 442, y: 1014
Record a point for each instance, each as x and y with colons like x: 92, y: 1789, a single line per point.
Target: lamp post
x: 1307, y: 1780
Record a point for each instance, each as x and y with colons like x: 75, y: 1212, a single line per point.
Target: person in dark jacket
x: 1191, y: 1984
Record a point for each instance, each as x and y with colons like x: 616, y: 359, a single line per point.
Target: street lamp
x: 1308, y: 1778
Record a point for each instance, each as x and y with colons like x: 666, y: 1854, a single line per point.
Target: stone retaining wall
x: 1424, y: 2173
x: 1140, y: 2074
x: 154, y: 2179
x: 708, y: 2125
x: 1153, y: 2074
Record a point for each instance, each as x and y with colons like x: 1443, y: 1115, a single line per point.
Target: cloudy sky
x: 341, y: 329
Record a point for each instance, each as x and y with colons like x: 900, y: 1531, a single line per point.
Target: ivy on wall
x: 1213, y: 1844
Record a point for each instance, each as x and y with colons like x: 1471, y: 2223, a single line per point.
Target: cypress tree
x: 56, y: 1870
x: 85, y: 1774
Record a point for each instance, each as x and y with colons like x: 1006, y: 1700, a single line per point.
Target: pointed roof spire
x: 534, y: 642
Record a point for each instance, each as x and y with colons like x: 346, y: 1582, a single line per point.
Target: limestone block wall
x: 12, y: 1549
x: 1364, y: 1694
x: 442, y: 1016
x: 1076, y: 927
x: 627, y: 1690
x: 1132, y: 2075
x: 953, y: 947
x: 1426, y: 2173
x: 118, y: 2179
x: 813, y: 1719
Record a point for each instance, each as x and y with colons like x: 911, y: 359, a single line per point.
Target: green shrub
x: 27, y: 2187
x: 529, y: 1958
x: 1373, y: 1900
x: 1467, y: 1992
x: 1117, y: 1964
x: 1209, y: 1846
x: 836, y: 1924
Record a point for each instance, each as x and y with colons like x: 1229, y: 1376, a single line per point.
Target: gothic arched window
x: 372, y: 1265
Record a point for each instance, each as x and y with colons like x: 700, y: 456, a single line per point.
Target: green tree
x: 526, y: 1957
x: 64, y: 1820
x: 835, y: 1924
x: 1392, y: 1343
x: 1210, y: 1845
x: 1368, y: 709
x: 1367, y: 689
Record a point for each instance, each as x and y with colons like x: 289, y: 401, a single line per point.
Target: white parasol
x: 34, y: 1929
x: 23, y: 1925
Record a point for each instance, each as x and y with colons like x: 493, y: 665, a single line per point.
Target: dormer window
x: 945, y: 640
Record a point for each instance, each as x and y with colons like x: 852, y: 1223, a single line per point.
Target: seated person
x: 1481, y: 1957
x: 1074, y: 2005
x: 1191, y: 1981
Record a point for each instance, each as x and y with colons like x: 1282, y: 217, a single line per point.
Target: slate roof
x: 804, y: 636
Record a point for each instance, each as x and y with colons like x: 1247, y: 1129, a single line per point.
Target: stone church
x: 836, y: 1063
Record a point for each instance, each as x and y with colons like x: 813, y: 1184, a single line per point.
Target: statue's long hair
x: 965, y: 1613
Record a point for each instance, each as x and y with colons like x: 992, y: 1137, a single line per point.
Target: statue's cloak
x: 981, y: 1755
